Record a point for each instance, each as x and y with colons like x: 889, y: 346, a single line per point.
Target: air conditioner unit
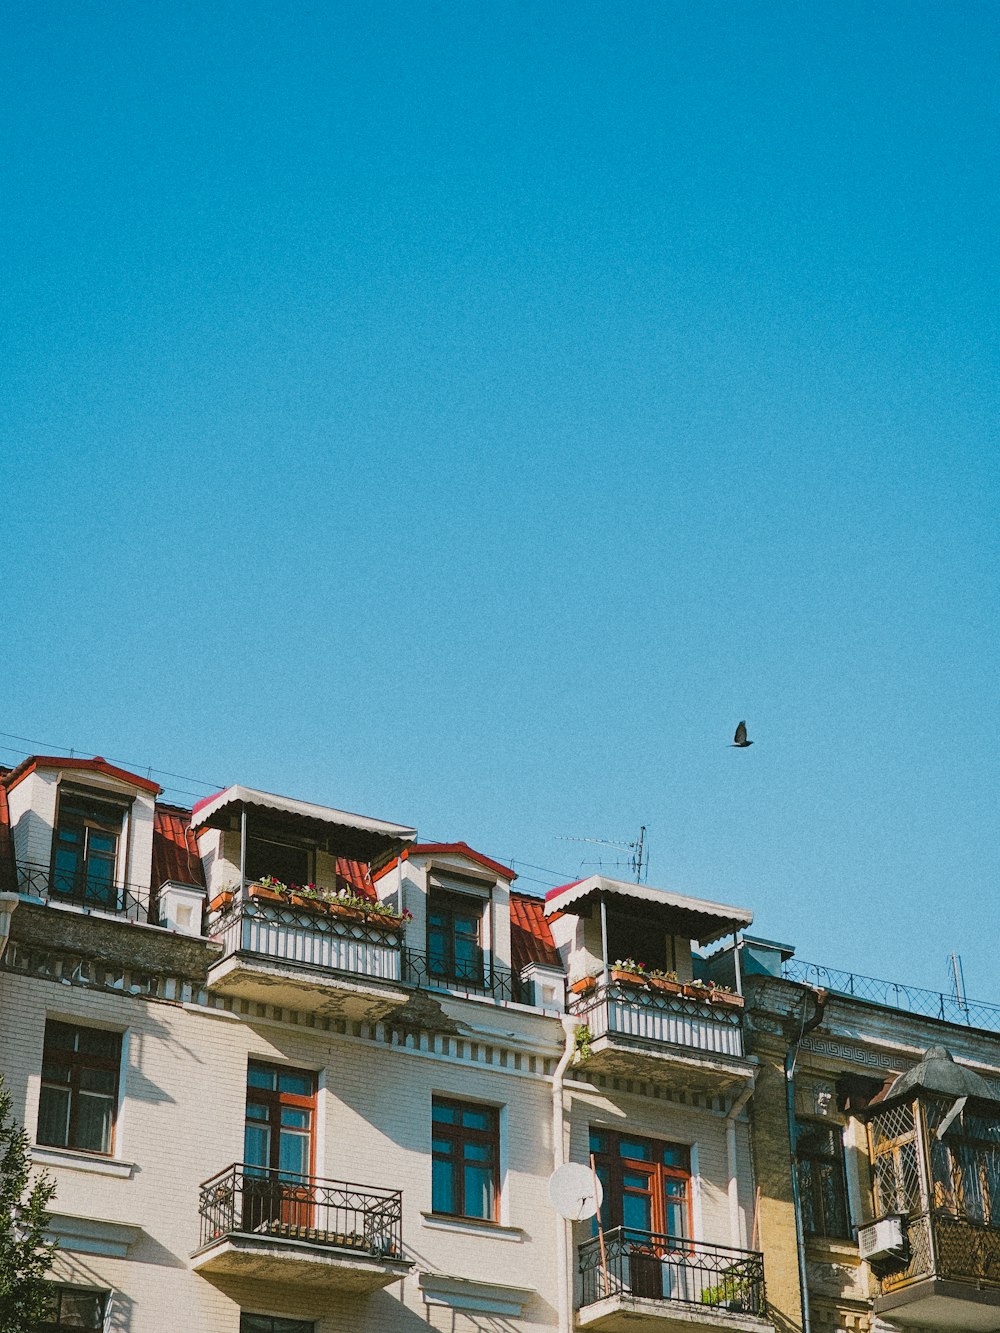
x: 882, y: 1240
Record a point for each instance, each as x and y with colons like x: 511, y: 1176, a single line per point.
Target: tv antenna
x: 957, y: 980
x: 638, y: 860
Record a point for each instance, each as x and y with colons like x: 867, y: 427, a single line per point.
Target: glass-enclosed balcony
x: 934, y: 1248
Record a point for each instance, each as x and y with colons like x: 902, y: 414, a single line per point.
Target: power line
x: 125, y: 763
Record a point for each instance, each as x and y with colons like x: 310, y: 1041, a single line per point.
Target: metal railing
x: 948, y: 1246
x: 894, y: 995
x: 658, y: 1017
x: 364, y: 948
x: 297, y: 935
x: 650, y: 1266
x: 334, y: 1214
x: 134, y: 902
x: 481, y: 977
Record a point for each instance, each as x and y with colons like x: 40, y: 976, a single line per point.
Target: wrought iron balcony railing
x: 257, y: 1201
x: 292, y: 934
x: 894, y: 995
x: 134, y: 902
x: 364, y: 948
x: 945, y: 1245
x: 483, y: 976
x: 666, y: 1268
x: 661, y: 1018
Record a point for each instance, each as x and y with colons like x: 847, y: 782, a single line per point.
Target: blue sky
x: 467, y: 413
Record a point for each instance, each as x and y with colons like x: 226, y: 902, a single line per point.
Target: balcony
x: 290, y: 1229
x: 302, y: 957
x: 949, y: 1276
x: 277, y: 953
x: 636, y: 1031
x: 641, y: 1281
x: 86, y: 893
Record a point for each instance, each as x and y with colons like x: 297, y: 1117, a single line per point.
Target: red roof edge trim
x: 200, y: 805
x: 554, y: 893
x: 446, y: 849
x: 95, y: 765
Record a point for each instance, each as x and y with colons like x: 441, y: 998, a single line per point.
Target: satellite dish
x: 572, y: 1192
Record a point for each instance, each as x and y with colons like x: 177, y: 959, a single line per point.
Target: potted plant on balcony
x: 627, y: 972
x: 583, y: 985
x: 698, y: 990
x: 268, y: 889
x: 665, y: 981
x: 725, y: 995
x: 222, y: 899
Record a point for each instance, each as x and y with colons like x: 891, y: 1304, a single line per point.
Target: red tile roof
x: 447, y: 849
x: 175, y: 852
x: 8, y: 876
x: 95, y: 765
x: 530, y: 938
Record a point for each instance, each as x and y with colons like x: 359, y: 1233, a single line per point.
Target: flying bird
x: 740, y: 741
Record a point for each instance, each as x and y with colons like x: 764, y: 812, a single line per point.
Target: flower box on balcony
x: 264, y: 893
x: 671, y: 987
x: 583, y: 986
x: 623, y: 978
x: 726, y: 997
x: 221, y: 900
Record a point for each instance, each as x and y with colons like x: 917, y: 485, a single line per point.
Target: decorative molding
x: 859, y: 1055
x: 462, y: 1293
x: 91, y: 1235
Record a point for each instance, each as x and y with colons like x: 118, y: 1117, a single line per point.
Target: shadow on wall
x: 72, y: 1270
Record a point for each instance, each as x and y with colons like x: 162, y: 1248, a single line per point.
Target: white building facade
x: 294, y: 1072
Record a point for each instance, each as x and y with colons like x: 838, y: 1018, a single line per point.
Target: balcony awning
x: 694, y: 918
x: 371, y: 834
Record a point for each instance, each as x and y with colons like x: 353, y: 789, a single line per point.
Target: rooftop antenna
x: 958, y: 980
x: 638, y: 861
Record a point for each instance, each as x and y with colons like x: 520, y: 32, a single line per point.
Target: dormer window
x: 85, y: 849
x: 454, y: 937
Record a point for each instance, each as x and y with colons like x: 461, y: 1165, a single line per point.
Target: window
x: 72, y: 1307
x: 278, y: 1147
x: 85, y: 850
x: 280, y: 1107
x: 79, y: 1094
x: 965, y: 1164
x: 647, y: 1183
x: 819, y: 1153
x: 287, y: 861
x: 266, y: 1323
x: 466, y: 1159
x: 454, y: 943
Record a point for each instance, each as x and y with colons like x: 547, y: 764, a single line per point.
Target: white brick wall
x: 181, y: 1122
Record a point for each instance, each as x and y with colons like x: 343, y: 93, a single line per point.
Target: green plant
x: 736, y: 1291
x: 334, y: 897
x: 659, y: 975
x: 25, y: 1254
x: 583, y: 1038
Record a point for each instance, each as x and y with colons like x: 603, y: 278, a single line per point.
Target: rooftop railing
x: 660, y: 1018
x: 335, y: 1214
x: 892, y: 994
x: 134, y: 902
x: 654, y: 1267
x: 480, y: 976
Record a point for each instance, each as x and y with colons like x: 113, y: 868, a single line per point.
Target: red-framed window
x: 280, y: 1118
x: 465, y: 1151
x: 647, y: 1183
x: 78, y: 1102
